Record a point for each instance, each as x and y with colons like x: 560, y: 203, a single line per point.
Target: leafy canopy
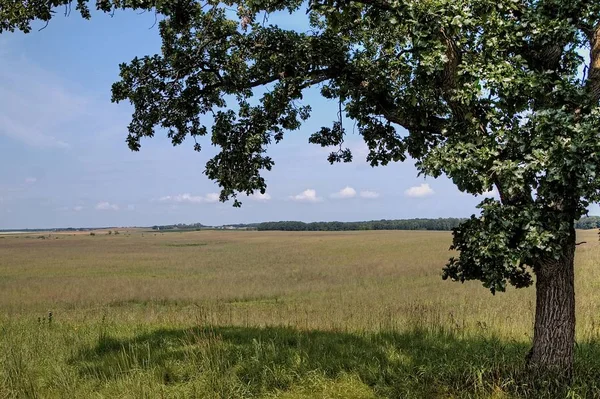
x: 491, y: 93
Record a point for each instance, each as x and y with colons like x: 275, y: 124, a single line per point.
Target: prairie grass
x: 234, y: 314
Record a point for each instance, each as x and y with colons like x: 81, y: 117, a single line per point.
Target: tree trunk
x: 554, y: 332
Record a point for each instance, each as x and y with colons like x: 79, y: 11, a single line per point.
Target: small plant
x: 92, y: 233
x: 109, y: 232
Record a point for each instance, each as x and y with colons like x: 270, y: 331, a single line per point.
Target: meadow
x: 246, y: 314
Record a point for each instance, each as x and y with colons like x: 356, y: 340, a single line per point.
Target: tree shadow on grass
x: 242, y: 362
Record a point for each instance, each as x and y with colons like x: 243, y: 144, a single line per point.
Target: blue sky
x: 65, y: 162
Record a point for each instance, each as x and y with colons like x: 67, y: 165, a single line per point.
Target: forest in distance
x: 439, y: 224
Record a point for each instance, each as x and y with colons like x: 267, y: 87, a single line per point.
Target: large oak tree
x: 491, y: 93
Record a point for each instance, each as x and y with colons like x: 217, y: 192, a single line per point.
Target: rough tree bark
x: 554, y: 331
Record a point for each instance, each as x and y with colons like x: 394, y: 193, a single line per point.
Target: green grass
x: 269, y: 315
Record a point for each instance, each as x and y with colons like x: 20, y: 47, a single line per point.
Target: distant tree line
x: 441, y: 224
x: 180, y: 226
x: 402, y: 224
x: 587, y: 223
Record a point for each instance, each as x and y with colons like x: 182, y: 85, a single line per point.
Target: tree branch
x: 434, y: 124
x: 593, y: 77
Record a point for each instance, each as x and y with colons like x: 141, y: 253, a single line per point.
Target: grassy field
x: 236, y: 314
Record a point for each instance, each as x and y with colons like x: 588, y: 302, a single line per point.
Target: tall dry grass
x: 129, y: 308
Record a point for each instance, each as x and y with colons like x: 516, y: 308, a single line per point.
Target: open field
x: 230, y: 314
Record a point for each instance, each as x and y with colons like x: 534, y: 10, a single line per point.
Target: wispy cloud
x: 492, y: 193
x: 211, y: 197
x: 260, y: 197
x: 191, y: 199
x: 36, y: 107
x: 346, y: 192
x: 30, y: 180
x: 369, y: 194
x: 360, y: 150
x: 106, y: 206
x: 422, y: 190
x: 77, y: 208
x: 308, y: 195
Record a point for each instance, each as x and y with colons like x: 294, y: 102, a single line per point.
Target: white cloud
x: 308, y: 195
x: 369, y: 194
x: 346, y: 192
x: 422, y: 190
x: 77, y: 208
x: 30, y: 180
x: 260, y: 197
x: 191, y: 199
x: 181, y: 198
x: 131, y: 207
x: 211, y: 197
x: 106, y: 206
x: 492, y: 193
x: 360, y: 150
